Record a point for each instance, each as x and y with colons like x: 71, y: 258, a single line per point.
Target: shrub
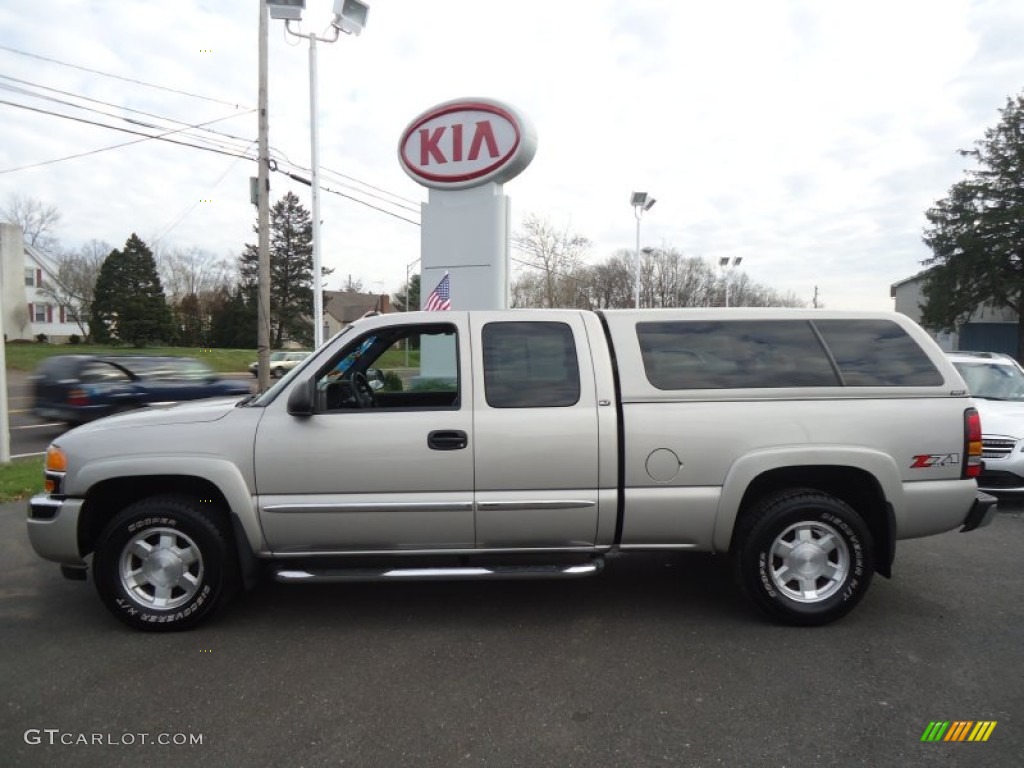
x: 42, y: 338
x: 74, y: 338
x: 392, y: 382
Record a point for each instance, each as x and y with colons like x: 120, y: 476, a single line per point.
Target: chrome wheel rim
x: 809, y: 562
x: 161, y: 568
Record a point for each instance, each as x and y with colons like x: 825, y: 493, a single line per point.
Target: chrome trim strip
x: 539, y: 504
x: 423, y: 506
x: 658, y: 546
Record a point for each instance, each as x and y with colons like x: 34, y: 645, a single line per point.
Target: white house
x: 27, y: 311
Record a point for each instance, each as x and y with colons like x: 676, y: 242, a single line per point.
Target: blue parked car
x: 80, y: 388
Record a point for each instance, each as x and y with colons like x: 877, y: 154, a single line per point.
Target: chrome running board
x: 334, y: 575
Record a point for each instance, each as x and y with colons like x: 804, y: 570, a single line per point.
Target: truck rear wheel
x: 161, y: 565
x: 803, y: 556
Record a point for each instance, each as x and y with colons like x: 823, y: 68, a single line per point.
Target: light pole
x: 350, y: 18
x: 728, y: 265
x: 407, y: 268
x: 641, y: 202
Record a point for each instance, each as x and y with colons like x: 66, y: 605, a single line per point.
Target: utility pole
x: 263, y: 216
x: 815, y: 303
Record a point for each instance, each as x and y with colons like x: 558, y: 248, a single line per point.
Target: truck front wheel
x: 803, y: 556
x: 161, y: 565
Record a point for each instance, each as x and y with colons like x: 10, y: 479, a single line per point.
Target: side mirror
x: 300, y: 401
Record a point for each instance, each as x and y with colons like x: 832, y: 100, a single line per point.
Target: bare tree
x: 192, y: 272
x: 74, y: 285
x: 36, y: 219
x: 559, y: 257
x: 351, y: 285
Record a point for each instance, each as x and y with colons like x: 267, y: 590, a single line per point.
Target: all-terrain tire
x: 803, y: 557
x: 162, y: 565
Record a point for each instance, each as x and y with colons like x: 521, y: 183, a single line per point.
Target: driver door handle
x: 447, y: 439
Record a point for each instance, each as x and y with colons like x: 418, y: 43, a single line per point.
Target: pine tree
x: 129, y: 305
x: 291, y: 272
x: 976, y: 233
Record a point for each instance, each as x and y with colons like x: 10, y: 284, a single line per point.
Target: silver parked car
x: 996, y: 382
x: 281, y: 362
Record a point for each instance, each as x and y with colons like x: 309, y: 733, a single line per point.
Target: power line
x: 146, y: 136
x: 115, y: 106
x: 119, y: 77
x: 406, y: 203
x: 308, y: 183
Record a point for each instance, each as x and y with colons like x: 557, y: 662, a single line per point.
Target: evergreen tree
x: 976, y: 233
x: 233, y: 320
x: 129, y: 305
x: 410, y: 303
x: 291, y: 272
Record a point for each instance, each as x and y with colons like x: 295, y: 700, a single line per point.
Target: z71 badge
x: 926, y: 460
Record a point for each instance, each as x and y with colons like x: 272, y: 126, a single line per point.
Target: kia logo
x: 466, y: 143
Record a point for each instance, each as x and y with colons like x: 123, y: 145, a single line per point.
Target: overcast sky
x: 808, y: 137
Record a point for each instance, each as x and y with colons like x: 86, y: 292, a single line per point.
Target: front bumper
x: 53, y: 528
x: 982, y: 512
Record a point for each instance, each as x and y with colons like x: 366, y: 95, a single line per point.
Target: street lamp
x: 407, y: 297
x: 728, y: 265
x: 641, y: 202
x: 350, y: 18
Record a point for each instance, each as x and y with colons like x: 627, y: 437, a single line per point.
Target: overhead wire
x: 236, y: 105
x: 221, y: 145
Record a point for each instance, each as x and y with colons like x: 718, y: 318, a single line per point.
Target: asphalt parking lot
x: 658, y: 662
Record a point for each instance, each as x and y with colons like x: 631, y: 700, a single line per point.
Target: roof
x: 349, y: 306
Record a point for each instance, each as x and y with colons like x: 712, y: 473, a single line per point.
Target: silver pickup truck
x: 533, y: 443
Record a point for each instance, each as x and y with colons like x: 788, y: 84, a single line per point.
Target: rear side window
x: 530, y: 365
x: 734, y: 354
x: 877, y: 353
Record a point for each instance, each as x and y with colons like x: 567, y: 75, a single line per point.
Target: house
x: 27, y: 310
x: 988, y: 329
x: 342, y: 308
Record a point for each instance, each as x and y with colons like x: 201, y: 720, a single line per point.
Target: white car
x: 996, y: 382
x: 280, y: 362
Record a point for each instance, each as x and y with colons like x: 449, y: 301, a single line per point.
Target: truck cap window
x: 530, y: 365
x: 877, y: 353
x: 734, y: 354
x: 744, y: 354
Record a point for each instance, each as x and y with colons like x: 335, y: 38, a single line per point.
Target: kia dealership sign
x: 467, y: 143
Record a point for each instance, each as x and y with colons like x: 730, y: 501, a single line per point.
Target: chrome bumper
x: 53, y: 529
x: 982, y: 512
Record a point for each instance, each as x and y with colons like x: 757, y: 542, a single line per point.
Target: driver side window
x: 413, y: 367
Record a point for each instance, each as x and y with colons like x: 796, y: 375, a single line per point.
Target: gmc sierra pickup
x: 533, y: 443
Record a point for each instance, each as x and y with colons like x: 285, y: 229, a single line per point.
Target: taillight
x: 78, y: 397
x: 972, y: 443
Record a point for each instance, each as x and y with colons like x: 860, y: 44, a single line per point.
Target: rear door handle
x: 447, y: 439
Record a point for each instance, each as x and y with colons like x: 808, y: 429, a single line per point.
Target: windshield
x: 993, y: 381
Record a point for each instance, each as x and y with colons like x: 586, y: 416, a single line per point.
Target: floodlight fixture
x: 288, y: 10
x: 350, y: 16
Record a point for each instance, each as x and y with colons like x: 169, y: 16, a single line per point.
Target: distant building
x: 986, y: 330
x: 341, y: 308
x: 27, y: 311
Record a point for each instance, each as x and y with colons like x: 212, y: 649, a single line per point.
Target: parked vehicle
x: 280, y: 362
x: 996, y: 382
x: 534, y: 443
x: 80, y: 388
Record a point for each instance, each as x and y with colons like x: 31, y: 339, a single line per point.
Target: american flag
x: 439, y: 298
